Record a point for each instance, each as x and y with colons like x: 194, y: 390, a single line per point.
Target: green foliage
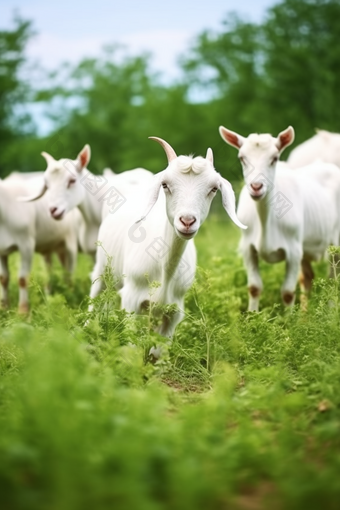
x: 243, y: 412
x: 267, y: 76
x: 301, y: 67
x: 13, y: 90
x: 250, y: 77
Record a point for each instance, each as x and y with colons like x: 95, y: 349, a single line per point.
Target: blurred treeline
x: 248, y: 77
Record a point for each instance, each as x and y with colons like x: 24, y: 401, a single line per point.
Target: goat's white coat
x: 307, y: 228
x: 71, y: 185
x: 323, y: 145
x: 171, y: 219
x: 26, y: 228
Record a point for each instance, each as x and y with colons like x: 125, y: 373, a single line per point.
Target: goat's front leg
x: 68, y: 257
x: 251, y: 261
x: 167, y: 329
x: 71, y: 251
x: 292, y: 273
x: 170, y: 321
x: 97, y: 284
x: 4, y: 280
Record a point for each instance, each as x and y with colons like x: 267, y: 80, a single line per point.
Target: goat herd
x: 288, y: 211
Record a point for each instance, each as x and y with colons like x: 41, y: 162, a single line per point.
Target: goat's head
x: 62, y: 180
x: 258, y: 155
x: 190, y: 184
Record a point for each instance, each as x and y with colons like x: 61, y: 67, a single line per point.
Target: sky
x: 68, y: 30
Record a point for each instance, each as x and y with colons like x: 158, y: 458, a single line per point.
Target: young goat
x: 71, y: 185
x: 27, y: 228
x: 159, y: 246
x: 292, y: 215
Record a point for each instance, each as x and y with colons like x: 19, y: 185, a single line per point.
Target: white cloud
x: 165, y: 45
x: 71, y: 30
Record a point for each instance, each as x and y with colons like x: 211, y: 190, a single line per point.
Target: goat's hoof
x: 159, y: 352
x: 155, y: 353
x: 23, y: 309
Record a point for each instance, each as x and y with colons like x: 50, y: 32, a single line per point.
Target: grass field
x: 243, y: 412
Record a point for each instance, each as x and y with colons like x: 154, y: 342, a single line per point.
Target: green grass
x: 243, y: 412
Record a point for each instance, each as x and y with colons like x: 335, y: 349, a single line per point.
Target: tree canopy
x: 249, y: 77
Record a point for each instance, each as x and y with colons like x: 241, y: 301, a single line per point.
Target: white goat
x: 324, y: 145
x: 71, y: 185
x: 23, y: 176
x: 160, y: 247
x: 292, y: 215
x: 27, y: 228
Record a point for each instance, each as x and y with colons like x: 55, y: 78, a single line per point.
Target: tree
x: 302, y: 65
x: 249, y: 77
x: 284, y: 71
x: 13, y: 90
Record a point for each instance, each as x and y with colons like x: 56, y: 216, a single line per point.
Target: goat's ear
x: 209, y: 156
x: 49, y: 159
x: 229, y: 202
x: 83, y: 157
x: 153, y: 194
x: 35, y: 196
x: 285, y: 138
x: 231, y: 137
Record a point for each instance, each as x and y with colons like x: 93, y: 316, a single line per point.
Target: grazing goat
x: 27, y: 228
x: 324, y: 145
x: 292, y: 215
x: 159, y: 246
x: 71, y: 185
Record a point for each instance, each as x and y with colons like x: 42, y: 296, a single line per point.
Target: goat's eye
x: 241, y: 159
x: 274, y: 160
x: 165, y: 186
x: 70, y: 182
x: 214, y: 189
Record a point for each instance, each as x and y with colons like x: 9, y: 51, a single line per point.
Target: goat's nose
x: 187, y: 220
x: 256, y: 185
x: 53, y: 210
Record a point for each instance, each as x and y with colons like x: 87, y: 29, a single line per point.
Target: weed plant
x: 242, y: 412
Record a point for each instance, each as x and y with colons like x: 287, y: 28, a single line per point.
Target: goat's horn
x: 170, y: 153
x: 49, y: 159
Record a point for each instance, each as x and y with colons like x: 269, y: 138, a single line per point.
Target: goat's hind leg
x: 305, y: 280
x: 289, y: 285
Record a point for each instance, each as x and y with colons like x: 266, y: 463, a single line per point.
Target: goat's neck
x: 175, y: 251
x: 264, y: 210
x: 91, y: 207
